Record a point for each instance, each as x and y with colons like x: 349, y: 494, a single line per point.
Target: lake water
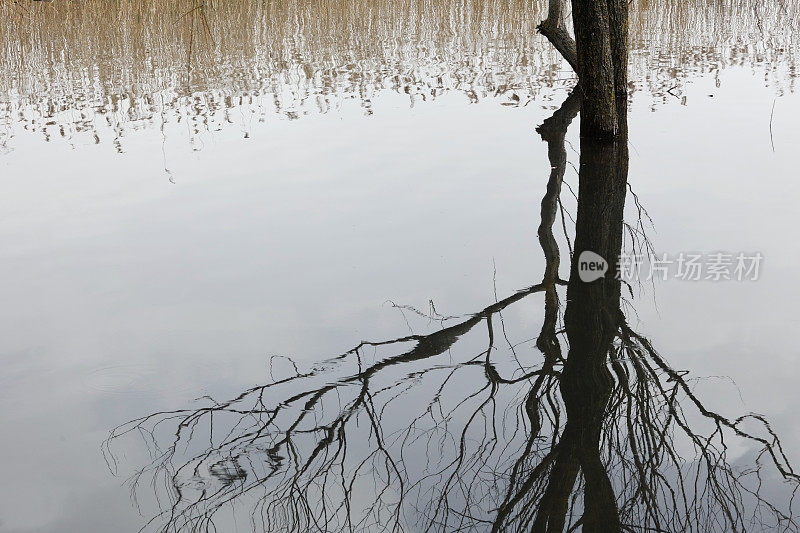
x: 190, y: 192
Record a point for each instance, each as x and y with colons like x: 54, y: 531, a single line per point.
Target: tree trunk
x: 595, y: 67
x: 618, y: 29
x: 599, y: 54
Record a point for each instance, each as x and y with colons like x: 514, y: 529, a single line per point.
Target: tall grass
x: 123, y: 55
x: 148, y: 35
x: 166, y: 31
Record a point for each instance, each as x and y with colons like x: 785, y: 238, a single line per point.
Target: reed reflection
x: 462, y: 430
x: 91, y: 71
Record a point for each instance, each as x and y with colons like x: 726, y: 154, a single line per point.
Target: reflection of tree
x: 453, y: 431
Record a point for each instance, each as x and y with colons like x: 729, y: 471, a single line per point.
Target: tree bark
x: 554, y: 29
x: 595, y: 67
x: 599, y: 54
x: 618, y: 30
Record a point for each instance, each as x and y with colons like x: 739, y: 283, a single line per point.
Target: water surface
x: 187, y: 196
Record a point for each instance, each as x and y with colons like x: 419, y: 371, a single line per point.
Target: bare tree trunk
x: 618, y: 29
x: 599, y: 54
x: 595, y: 67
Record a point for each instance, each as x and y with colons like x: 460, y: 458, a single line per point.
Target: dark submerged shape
x: 591, y: 320
x: 441, y: 432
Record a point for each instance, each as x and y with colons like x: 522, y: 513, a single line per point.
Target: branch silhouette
x: 456, y: 431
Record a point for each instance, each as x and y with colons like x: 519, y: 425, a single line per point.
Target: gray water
x: 164, y: 233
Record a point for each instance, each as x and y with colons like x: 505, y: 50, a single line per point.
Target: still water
x: 195, y: 193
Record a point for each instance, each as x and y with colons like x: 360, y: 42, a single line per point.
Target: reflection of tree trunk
x: 592, y: 316
x: 591, y: 321
x: 553, y: 131
x: 290, y: 438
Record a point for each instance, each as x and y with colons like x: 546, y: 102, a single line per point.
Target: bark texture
x: 599, y: 54
x: 555, y: 30
x: 618, y: 30
x: 601, y: 58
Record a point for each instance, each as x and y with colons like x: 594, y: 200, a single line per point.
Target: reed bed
x: 136, y: 57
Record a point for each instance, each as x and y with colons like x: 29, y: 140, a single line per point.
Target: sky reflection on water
x: 125, y: 293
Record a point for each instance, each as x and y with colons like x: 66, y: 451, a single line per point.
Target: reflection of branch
x: 280, y: 424
x: 553, y: 130
x: 447, y: 432
x: 661, y: 488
